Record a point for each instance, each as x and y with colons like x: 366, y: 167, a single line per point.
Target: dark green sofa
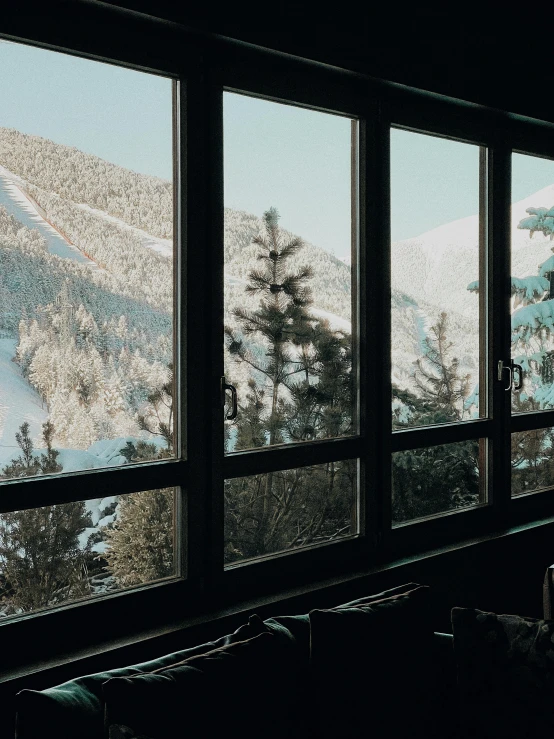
x: 76, y: 710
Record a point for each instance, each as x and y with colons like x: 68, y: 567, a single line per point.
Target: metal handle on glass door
x: 501, y: 368
x: 519, y: 369
x: 234, y: 400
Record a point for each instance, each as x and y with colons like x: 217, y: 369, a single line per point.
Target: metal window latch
x: 234, y: 400
x: 512, y: 368
x: 508, y: 368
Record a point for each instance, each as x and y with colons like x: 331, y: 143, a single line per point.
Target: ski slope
x: 21, y: 208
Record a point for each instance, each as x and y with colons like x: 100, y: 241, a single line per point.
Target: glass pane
x: 532, y: 460
x: 289, y: 509
x: 437, y: 479
x: 533, y: 281
x: 434, y: 273
x: 288, y: 275
x: 61, y: 553
x: 86, y: 264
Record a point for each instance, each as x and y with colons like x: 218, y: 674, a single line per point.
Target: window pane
x: 435, y: 275
x: 288, y: 275
x: 86, y: 264
x: 532, y: 460
x: 437, y: 479
x: 533, y: 281
x: 285, y: 510
x: 62, y: 553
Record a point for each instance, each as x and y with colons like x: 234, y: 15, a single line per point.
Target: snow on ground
x: 18, y: 403
x: 18, y: 205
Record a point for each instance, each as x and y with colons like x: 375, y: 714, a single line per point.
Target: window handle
x: 508, y: 368
x: 519, y: 369
x: 234, y: 401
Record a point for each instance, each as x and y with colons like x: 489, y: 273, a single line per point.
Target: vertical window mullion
x: 200, y: 180
x: 215, y: 290
x: 499, y: 198
x: 375, y: 326
x: 180, y: 533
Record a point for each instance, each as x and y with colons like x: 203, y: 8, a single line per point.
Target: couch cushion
x: 246, y: 689
x: 505, y: 669
x: 369, y: 599
x: 371, y: 667
x: 76, y: 708
x: 298, y: 627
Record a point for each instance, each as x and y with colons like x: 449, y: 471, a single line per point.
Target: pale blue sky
x: 118, y: 114
x: 277, y: 155
x: 293, y: 159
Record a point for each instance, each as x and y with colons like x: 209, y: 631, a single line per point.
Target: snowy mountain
x: 74, y: 225
x: 431, y: 273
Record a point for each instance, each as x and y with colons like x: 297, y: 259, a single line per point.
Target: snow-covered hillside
x: 431, y: 274
x: 106, y: 231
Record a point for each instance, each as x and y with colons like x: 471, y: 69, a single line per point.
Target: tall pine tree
x: 442, y: 477
x: 300, y: 390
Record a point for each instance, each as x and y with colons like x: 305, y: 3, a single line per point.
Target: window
x: 262, y: 322
x: 290, y: 321
x: 532, y: 348
x: 438, y: 350
x: 86, y: 322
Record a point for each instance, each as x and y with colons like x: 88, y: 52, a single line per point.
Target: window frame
x: 205, y: 67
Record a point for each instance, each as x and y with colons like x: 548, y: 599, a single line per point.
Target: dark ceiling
x: 486, y: 54
x: 483, y: 53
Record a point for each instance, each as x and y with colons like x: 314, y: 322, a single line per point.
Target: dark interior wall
x: 482, y: 59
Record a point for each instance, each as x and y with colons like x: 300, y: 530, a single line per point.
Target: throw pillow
x: 371, y: 666
x: 248, y: 689
x: 505, y: 669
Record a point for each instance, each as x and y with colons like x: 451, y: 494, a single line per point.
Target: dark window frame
x: 206, y: 66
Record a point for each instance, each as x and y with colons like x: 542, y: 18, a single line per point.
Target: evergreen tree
x: 437, y: 374
x: 300, y: 389
x: 442, y: 477
x: 48, y: 462
x: 42, y: 562
x: 26, y: 465
x: 140, y: 543
x: 533, y: 348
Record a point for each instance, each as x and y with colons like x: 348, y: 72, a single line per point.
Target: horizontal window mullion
x: 273, y: 459
x: 455, y: 120
x: 18, y: 495
x: 434, y: 435
x: 531, y: 421
x: 526, y: 138
x: 268, y: 73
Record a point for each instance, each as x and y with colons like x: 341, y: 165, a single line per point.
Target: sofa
x: 372, y: 666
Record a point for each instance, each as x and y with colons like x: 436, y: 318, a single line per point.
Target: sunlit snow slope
x: 19, y: 206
